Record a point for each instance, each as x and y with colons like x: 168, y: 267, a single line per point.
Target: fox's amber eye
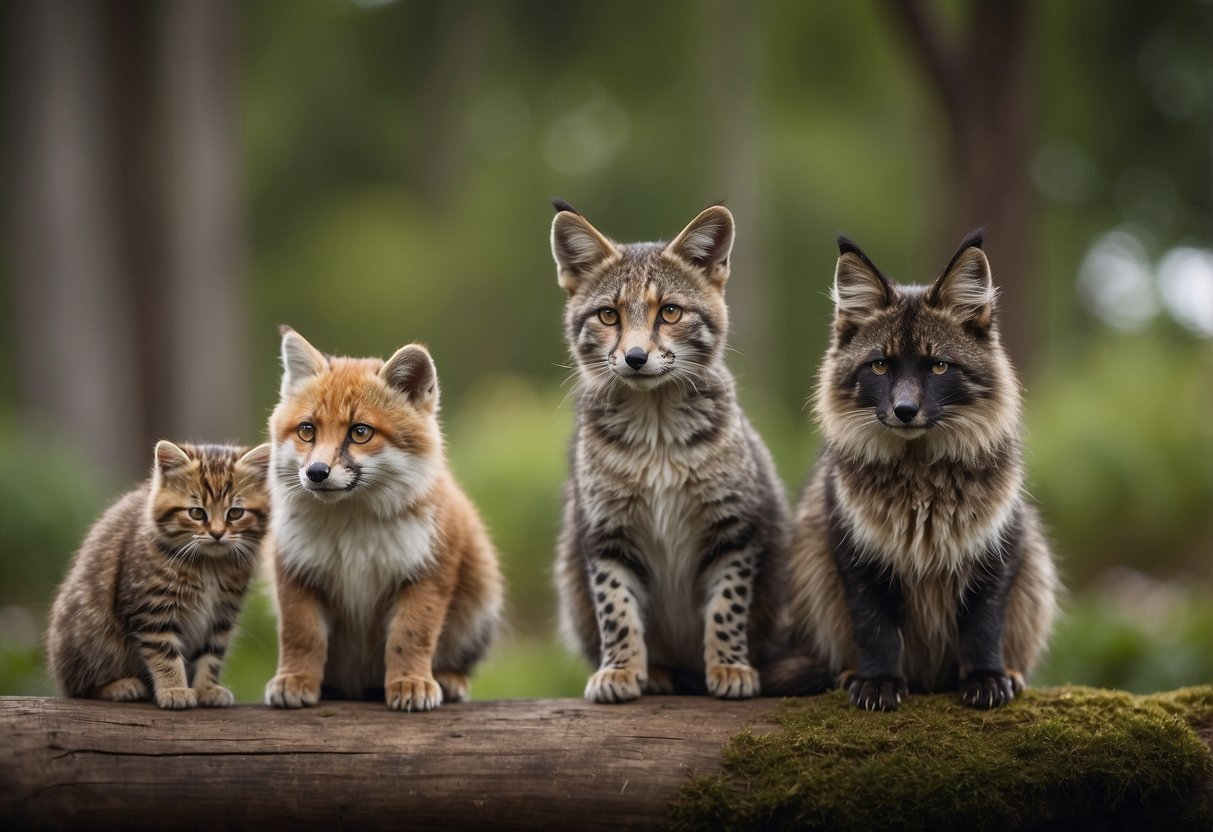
x: 671, y: 313
x: 307, y: 432
x: 234, y: 514
x: 880, y: 366
x: 939, y: 368
x: 361, y: 434
x: 198, y: 514
x: 608, y: 316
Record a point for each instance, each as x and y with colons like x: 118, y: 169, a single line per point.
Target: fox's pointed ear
x: 170, y: 457
x: 256, y: 460
x: 860, y: 290
x: 300, y: 360
x: 411, y: 371
x: 707, y: 243
x: 966, y: 288
x: 578, y: 247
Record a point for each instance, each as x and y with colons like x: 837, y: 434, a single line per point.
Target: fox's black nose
x: 906, y: 411
x: 636, y: 358
x: 317, y: 472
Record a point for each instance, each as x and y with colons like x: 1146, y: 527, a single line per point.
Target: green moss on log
x: 1062, y: 758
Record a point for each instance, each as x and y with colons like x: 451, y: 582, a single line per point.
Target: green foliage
x: 1050, y: 757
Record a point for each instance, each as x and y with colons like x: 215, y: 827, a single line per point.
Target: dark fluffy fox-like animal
x: 918, y: 563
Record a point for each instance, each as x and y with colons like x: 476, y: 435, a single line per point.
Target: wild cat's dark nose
x: 317, y: 472
x: 636, y: 357
x: 906, y: 411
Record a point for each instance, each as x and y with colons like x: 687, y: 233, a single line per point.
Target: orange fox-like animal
x: 388, y: 586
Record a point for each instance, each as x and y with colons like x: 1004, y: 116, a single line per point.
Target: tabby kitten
x: 148, y: 605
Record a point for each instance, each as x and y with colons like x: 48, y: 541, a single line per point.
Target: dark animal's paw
x: 989, y: 688
x: 874, y: 693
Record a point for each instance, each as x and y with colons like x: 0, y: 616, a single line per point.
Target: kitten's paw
x: 454, y: 685
x: 613, y: 684
x: 176, y: 699
x: 660, y: 682
x: 130, y: 689
x: 292, y: 690
x: 215, y: 696
x: 732, y: 681
x: 874, y: 693
x: 413, y: 693
x: 989, y: 688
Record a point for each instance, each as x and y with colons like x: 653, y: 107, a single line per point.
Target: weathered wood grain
x: 519, y: 764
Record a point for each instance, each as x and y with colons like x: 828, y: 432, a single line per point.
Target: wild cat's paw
x: 292, y: 690
x: 874, y: 693
x: 660, y: 682
x: 215, y: 696
x: 176, y: 699
x: 454, y: 685
x: 989, y: 688
x: 613, y: 684
x: 413, y: 693
x: 130, y: 689
x: 732, y: 681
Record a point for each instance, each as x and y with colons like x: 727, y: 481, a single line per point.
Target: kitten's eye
x: 198, y: 514
x: 307, y: 432
x: 608, y: 316
x: 939, y: 368
x: 234, y: 514
x: 671, y: 313
x: 361, y: 434
x: 880, y: 366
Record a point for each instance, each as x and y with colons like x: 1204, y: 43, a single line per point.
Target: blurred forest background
x: 182, y: 176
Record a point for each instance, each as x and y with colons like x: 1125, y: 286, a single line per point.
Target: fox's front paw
x: 292, y: 690
x: 413, y: 693
x: 989, y: 688
x: 176, y: 699
x: 874, y: 693
x: 732, y: 681
x: 215, y: 696
x: 613, y: 684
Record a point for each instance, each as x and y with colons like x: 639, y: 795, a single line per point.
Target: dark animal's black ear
x: 707, y: 243
x: 577, y: 247
x: 411, y: 371
x: 966, y: 287
x: 860, y: 290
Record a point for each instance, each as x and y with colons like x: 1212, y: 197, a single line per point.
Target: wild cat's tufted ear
x: 707, y: 243
x: 411, y: 371
x: 860, y: 290
x: 577, y: 247
x: 256, y: 460
x: 966, y: 287
x: 169, y: 456
x: 300, y: 360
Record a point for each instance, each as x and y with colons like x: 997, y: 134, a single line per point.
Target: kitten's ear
x: 170, y: 456
x: 300, y: 360
x: 578, y: 247
x: 707, y: 243
x: 966, y: 287
x: 860, y: 290
x: 256, y: 460
x: 411, y: 371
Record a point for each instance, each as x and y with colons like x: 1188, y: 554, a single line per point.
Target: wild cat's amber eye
x: 234, y: 514
x: 939, y: 368
x: 361, y: 434
x: 671, y: 313
x: 307, y: 432
x: 608, y: 316
x: 198, y: 514
x: 880, y: 366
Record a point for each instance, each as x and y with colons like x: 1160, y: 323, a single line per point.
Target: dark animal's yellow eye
x: 939, y: 368
x: 234, y: 514
x: 307, y: 432
x: 198, y: 514
x: 671, y: 313
x: 880, y: 366
x: 608, y: 316
x: 361, y: 434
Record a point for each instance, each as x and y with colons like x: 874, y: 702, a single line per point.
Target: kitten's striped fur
x: 673, y: 513
x: 148, y: 605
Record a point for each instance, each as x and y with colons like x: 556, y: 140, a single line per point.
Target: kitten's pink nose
x: 218, y: 535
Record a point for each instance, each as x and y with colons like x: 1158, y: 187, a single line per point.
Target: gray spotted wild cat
x: 673, y: 515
